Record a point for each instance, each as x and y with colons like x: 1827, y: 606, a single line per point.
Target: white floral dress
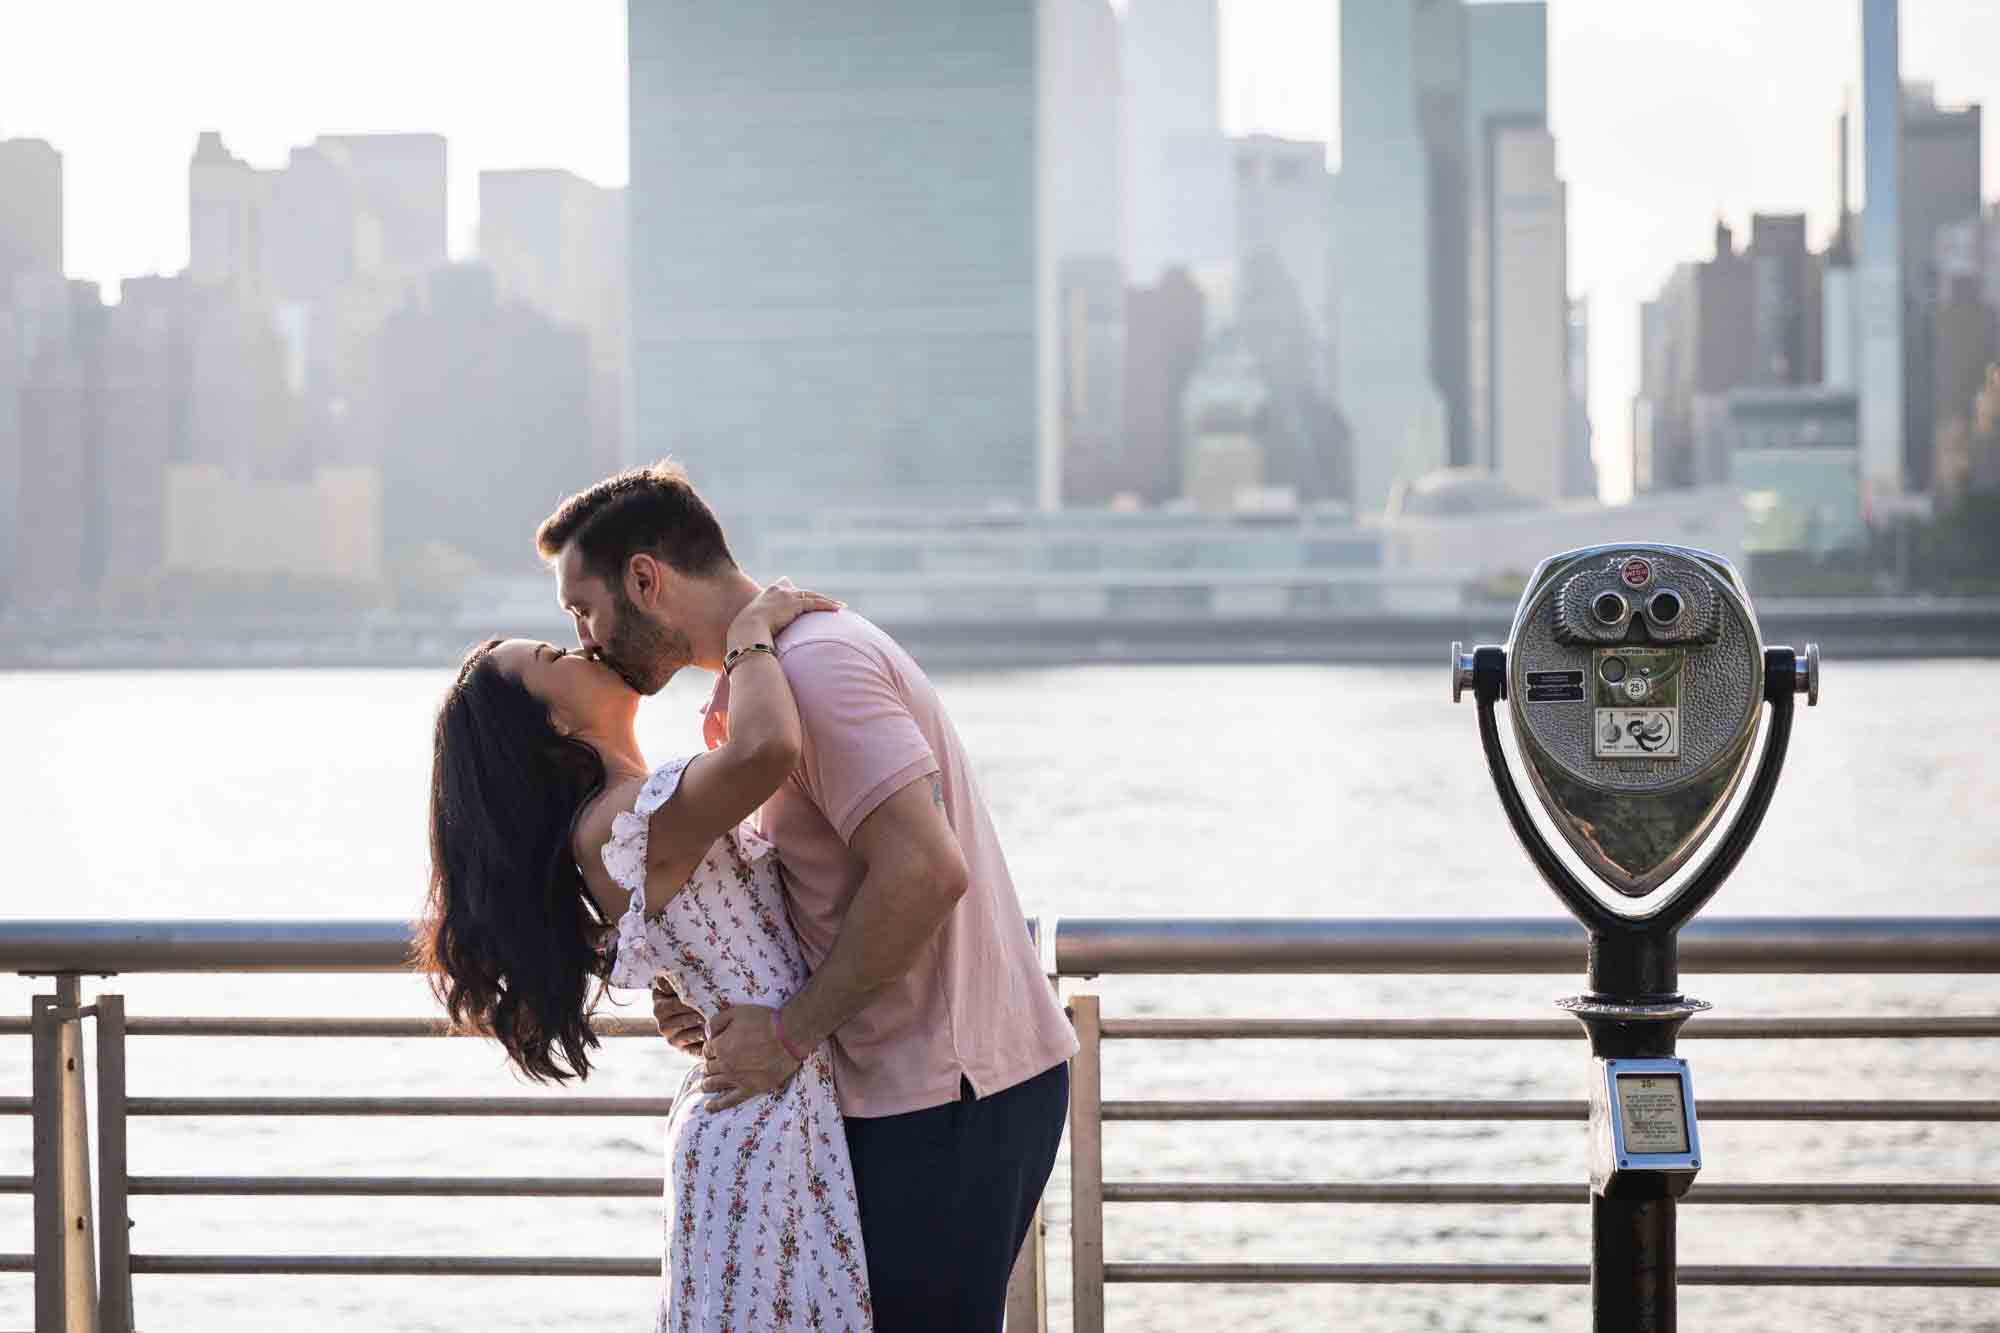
x: 762, y: 1228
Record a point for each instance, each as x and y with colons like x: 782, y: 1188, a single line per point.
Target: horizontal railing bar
x: 337, y: 1106
x: 396, y: 1265
x: 1530, y: 1029
x: 1708, y: 1275
x: 582, y: 1187
x: 17, y: 1184
x: 16, y: 1027
x: 1087, y: 946
x: 1416, y: 1192
x: 17, y: 1263
x: 1156, y: 1029
x: 1491, y: 1109
x: 16, y: 1105
x: 345, y: 1027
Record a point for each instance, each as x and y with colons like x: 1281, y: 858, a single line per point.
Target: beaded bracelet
x: 736, y: 655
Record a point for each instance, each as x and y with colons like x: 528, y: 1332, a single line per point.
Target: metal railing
x: 83, y: 1266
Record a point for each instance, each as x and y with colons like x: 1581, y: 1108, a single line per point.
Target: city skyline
x: 1650, y: 161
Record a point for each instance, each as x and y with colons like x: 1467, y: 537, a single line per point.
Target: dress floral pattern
x: 762, y: 1228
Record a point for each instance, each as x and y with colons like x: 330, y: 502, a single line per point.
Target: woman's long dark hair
x: 506, y: 932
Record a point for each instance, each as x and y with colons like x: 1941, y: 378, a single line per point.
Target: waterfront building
x: 1506, y: 80
x: 1793, y: 452
x: 1781, y: 273
x: 139, y: 412
x: 1579, y: 465
x: 31, y: 213
x: 1528, y: 435
x: 326, y: 527
x: 1225, y: 413
x: 1382, y: 247
x: 481, y: 398
x: 1468, y: 525
x: 10, y: 449
x: 59, y: 334
x: 31, y: 257
x: 1081, y: 267
x: 399, y: 184
x: 1879, y: 296
x: 557, y: 243
x: 1967, y: 345
x: 1165, y: 325
x: 1439, y: 73
x: 1091, y: 340
x: 838, y: 292
x: 1178, y: 206
x: 342, y: 207
x: 1940, y: 184
x: 1284, y: 198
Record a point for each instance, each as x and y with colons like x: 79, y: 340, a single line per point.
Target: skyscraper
x: 1283, y: 202
x: 1080, y: 277
x: 1178, y: 209
x: 399, y: 180
x: 557, y: 243
x: 1506, y: 79
x: 1579, y: 467
x: 1940, y: 184
x: 1528, y: 435
x: 836, y: 285
x: 1439, y: 66
x: 1781, y: 272
x: 342, y: 207
x: 1381, y: 256
x: 31, y: 213
x: 1879, y: 277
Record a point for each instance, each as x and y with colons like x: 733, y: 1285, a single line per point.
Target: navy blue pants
x: 947, y: 1194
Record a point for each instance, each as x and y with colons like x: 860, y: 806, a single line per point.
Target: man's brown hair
x: 651, y: 509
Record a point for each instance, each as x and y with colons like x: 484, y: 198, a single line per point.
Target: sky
x: 1667, y: 113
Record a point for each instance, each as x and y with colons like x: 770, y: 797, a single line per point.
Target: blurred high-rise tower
x: 1382, y: 252
x: 1506, y: 100
x: 1940, y: 187
x: 1879, y: 312
x: 557, y: 243
x: 837, y: 281
x: 31, y: 213
x: 1179, y: 207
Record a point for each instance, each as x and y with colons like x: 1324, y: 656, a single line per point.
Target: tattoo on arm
x: 937, y: 791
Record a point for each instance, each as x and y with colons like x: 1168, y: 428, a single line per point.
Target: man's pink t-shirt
x: 975, y: 1003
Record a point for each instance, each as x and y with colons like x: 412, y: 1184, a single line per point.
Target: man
x: 950, y: 1052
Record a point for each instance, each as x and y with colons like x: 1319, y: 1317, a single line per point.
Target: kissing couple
x: 818, y: 904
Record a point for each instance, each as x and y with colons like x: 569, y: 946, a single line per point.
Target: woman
x: 547, y: 826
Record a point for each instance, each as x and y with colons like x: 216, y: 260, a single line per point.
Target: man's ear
x: 644, y: 579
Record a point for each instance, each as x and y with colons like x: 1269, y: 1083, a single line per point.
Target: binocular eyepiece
x: 1634, y: 676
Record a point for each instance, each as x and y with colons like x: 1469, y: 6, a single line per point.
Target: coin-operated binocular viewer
x: 1634, y: 677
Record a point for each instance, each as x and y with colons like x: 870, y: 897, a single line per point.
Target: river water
x: 1279, y: 790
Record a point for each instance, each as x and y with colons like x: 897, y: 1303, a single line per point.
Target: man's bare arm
x: 914, y: 873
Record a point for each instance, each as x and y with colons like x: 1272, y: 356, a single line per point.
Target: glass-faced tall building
x: 1382, y: 250
x: 1880, y: 307
x: 836, y: 276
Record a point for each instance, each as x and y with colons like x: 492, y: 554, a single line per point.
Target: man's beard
x: 644, y: 653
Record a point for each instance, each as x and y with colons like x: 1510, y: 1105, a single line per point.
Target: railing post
x: 1028, y: 1284
x: 1086, y: 1171
x: 65, y: 1274
x: 114, y: 1252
